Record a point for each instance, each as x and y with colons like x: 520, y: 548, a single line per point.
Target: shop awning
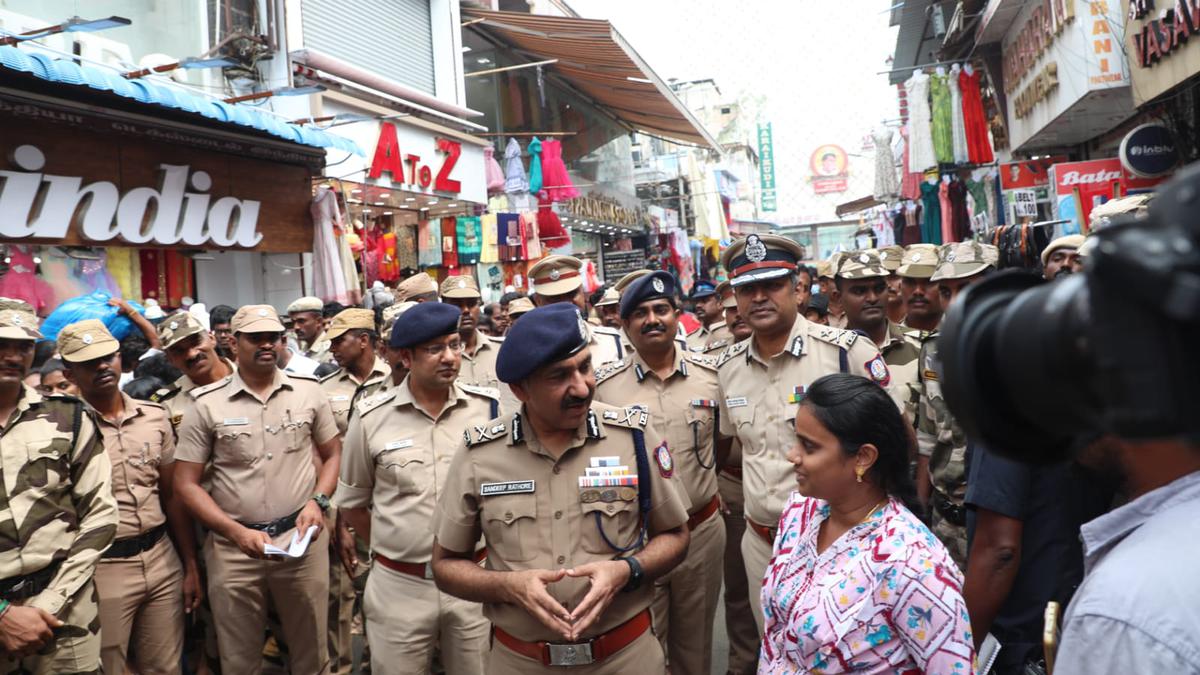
x: 63, y: 71
x: 597, y: 61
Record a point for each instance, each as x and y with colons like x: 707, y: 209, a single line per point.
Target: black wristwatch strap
x: 635, y: 574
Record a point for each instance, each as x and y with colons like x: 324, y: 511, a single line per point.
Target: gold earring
x: 859, y: 471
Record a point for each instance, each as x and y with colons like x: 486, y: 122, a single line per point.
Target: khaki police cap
x: 890, y: 257
x: 611, y: 297
x: 725, y: 292
x: 177, y: 328
x: 861, y: 265
x: 1070, y: 241
x: 86, y: 340
x: 963, y: 259
x: 461, y: 286
x: 759, y: 257
x: 18, y: 325
x: 519, y: 306
x: 350, y: 319
x: 308, y: 303
x: 919, y: 262
x: 824, y: 269
x: 414, y: 286
x: 556, y: 275
x: 624, y: 281
x: 256, y: 319
x: 18, y: 305
x: 392, y: 312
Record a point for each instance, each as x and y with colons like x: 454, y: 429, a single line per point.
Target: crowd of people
x: 553, y: 482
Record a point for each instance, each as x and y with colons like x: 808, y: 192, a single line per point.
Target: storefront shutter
x: 392, y: 38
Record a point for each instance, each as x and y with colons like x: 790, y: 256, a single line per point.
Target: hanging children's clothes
x: 449, y: 227
x: 921, y: 154
x: 931, y: 224
x: 556, y: 181
x: 492, y: 170
x: 535, y: 165
x: 943, y: 132
x: 514, y: 171
x: 979, y: 146
x: 470, y: 240
x: 550, y: 228
x: 509, y: 243
x: 488, y: 253
x: 429, y: 243
x: 957, y: 127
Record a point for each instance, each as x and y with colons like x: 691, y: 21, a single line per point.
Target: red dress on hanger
x: 979, y: 148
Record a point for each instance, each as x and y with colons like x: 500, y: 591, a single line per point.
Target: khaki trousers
x: 239, y: 588
x: 685, y: 601
x: 76, y: 645
x: 407, y: 617
x: 341, y: 607
x: 756, y: 553
x: 739, y: 617
x: 141, y: 606
x: 643, y: 656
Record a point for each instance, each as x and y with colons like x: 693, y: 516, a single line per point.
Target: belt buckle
x: 272, y: 528
x: 429, y: 571
x: 19, y: 585
x: 574, y: 654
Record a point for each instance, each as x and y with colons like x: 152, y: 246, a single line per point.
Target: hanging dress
x: 329, y: 280
x: 429, y: 243
x: 406, y: 248
x: 514, y: 170
x: 492, y: 170
x: 957, y: 125
x: 910, y: 181
x: 931, y: 224
x: 535, y: 166
x: 887, y: 186
x: 979, y: 148
x: 549, y: 227
x: 557, y: 183
x: 530, y: 242
x: 22, y: 282
x: 470, y: 240
x: 488, y: 252
x: 389, y: 261
x: 921, y: 155
x: 449, y: 227
x: 960, y: 221
x: 947, y: 213
x: 943, y: 131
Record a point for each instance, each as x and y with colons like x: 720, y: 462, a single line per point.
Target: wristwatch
x: 635, y: 574
x: 322, y: 501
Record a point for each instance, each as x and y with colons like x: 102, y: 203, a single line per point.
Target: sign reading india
x: 178, y: 211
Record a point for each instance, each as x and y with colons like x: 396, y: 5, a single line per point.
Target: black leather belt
x: 277, y: 526
x: 29, y: 585
x: 131, y: 546
x: 953, y: 513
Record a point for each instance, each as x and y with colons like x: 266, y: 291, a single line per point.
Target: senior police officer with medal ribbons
x: 576, y: 502
x: 763, y: 379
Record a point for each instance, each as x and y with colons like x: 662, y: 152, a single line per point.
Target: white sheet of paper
x: 298, y: 546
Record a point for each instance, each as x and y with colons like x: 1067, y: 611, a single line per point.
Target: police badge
x: 658, y: 285
x: 756, y: 251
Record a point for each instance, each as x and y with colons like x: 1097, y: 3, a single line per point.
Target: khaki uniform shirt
x: 534, y: 514
x: 57, y: 501
x: 900, y: 353
x: 605, y: 344
x: 682, y: 410
x: 260, y: 448
x: 939, y: 436
x: 342, y: 389
x: 175, y: 398
x: 138, y: 444
x: 760, y: 397
x: 396, y: 460
x: 703, y: 338
x: 319, y: 350
x: 479, y: 369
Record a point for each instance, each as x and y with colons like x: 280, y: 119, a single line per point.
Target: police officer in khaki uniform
x: 577, y: 505
x: 352, y: 341
x: 939, y: 436
x: 394, y: 467
x: 259, y: 427
x: 922, y: 308
x: 608, y: 309
x: 193, y: 350
x: 518, y: 308
x: 59, y: 515
x: 707, y: 306
x: 420, y: 287
x: 308, y: 322
x: 826, y: 279
x: 680, y: 390
x: 144, y: 588
x: 557, y: 278
x: 763, y: 380
x: 891, y: 257
x: 479, y: 350
x: 863, y: 292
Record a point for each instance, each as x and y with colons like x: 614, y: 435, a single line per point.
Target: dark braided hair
x: 857, y: 411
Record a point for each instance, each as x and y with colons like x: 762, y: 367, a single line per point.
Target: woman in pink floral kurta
x: 881, y: 597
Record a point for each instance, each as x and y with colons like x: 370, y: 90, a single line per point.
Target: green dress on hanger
x: 943, y: 129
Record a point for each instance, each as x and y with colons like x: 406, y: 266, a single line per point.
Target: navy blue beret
x: 426, y: 321
x: 703, y: 289
x: 650, y: 287
x: 541, y: 336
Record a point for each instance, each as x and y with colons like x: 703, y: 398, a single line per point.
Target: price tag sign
x: 1025, y: 203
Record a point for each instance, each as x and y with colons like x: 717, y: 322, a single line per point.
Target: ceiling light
x: 452, y: 205
x: 385, y: 195
x: 356, y: 191
x: 432, y: 201
x: 483, y: 59
x: 424, y: 208
x: 410, y: 199
x: 380, y: 203
x: 366, y: 210
x: 387, y: 213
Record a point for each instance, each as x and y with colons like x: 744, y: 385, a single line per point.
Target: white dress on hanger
x: 957, y: 124
x: 920, y: 131
x: 887, y: 185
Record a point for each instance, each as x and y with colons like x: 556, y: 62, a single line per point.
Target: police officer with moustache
x: 308, y: 322
x: 192, y: 350
x: 763, y: 380
x: 891, y: 257
x: 352, y: 340
x: 259, y: 428
x: 144, y: 587
x: 1061, y: 256
x: 939, y: 436
x: 577, y: 504
x: 707, y: 306
x: 59, y: 514
x: 557, y: 278
x: 609, y: 309
x: 479, y: 350
x: 680, y: 390
x: 394, y: 468
x: 922, y: 308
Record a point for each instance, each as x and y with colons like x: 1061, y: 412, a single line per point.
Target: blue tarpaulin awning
x: 65, y: 71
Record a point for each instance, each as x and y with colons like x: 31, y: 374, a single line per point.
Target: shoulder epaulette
x: 328, y: 376
x: 630, y: 417
x: 372, y: 402
x: 303, y: 376
x: 495, y: 338
x: 200, y: 391
x: 156, y: 404
x: 732, y: 351
x: 835, y: 336
x: 605, y: 330
x: 492, y: 430
x: 705, y: 360
x: 164, y: 394
x: 607, y: 370
x: 715, y: 345
x: 487, y: 392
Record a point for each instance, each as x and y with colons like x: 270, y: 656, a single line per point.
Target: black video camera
x: 1038, y: 369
